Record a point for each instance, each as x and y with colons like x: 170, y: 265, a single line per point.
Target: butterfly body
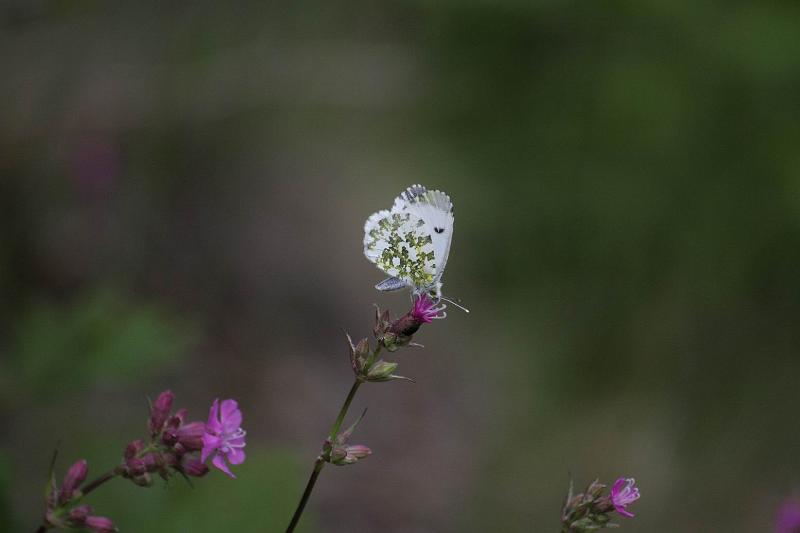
x: 411, y: 242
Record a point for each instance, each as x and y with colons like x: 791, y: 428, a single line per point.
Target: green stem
x: 319, y: 463
x: 337, y: 425
x: 89, y: 487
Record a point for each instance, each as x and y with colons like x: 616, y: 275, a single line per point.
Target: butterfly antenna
x: 454, y: 303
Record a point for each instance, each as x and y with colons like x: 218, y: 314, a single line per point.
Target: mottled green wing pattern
x: 399, y: 244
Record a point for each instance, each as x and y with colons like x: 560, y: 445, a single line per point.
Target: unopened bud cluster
x: 390, y: 335
x: 339, y: 452
x: 174, y: 446
x: 591, y: 510
x: 170, y: 449
x: 365, y: 367
x: 61, y: 510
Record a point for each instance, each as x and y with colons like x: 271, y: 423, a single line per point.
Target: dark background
x: 182, y: 192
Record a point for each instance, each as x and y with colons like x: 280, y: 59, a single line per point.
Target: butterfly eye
x: 438, y: 230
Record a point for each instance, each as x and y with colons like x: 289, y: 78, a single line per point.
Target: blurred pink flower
x: 224, y: 437
x: 623, y: 493
x: 788, y: 520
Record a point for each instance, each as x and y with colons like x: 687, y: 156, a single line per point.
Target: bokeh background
x: 182, y: 192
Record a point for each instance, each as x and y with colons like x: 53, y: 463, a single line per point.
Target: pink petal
x: 618, y: 484
x: 231, y: 416
x: 623, y: 512
x: 210, y: 444
x: 236, y: 456
x: 237, y: 442
x: 213, y: 424
x: 219, y: 462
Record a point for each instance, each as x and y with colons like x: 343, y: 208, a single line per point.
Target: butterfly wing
x: 436, y: 210
x: 400, y: 245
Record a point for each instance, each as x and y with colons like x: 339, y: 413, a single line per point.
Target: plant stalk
x: 319, y: 463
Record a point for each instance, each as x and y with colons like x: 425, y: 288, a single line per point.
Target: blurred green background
x: 182, y: 192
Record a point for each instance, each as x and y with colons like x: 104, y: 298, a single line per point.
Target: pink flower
x: 788, y: 520
x: 425, y: 310
x: 623, y: 493
x: 224, y: 437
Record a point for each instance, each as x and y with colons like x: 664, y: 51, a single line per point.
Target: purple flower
x: 224, y: 437
x: 623, y: 493
x: 788, y: 520
x: 425, y: 310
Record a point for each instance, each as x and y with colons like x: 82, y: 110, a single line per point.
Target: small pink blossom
x: 224, y: 437
x: 623, y: 493
x: 425, y: 310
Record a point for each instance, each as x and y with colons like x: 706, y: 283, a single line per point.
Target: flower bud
x: 78, y: 515
x: 135, y: 467
x: 145, y: 480
x: 190, y: 435
x: 191, y: 466
x: 595, y: 489
x: 169, y: 436
x: 177, y: 419
x: 100, y: 524
x: 347, y: 455
x: 382, y: 321
x: 338, y: 455
x: 381, y: 371
x: 359, y: 354
x: 394, y: 341
x: 159, y: 411
x: 133, y: 449
x: 75, y: 476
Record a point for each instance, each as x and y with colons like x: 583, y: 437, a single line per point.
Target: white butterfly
x: 411, y: 242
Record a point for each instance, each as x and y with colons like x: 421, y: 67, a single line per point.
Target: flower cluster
x: 339, y: 452
x: 589, y: 510
x: 60, y: 508
x: 175, y: 445
x: 175, y: 442
x: 170, y: 448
